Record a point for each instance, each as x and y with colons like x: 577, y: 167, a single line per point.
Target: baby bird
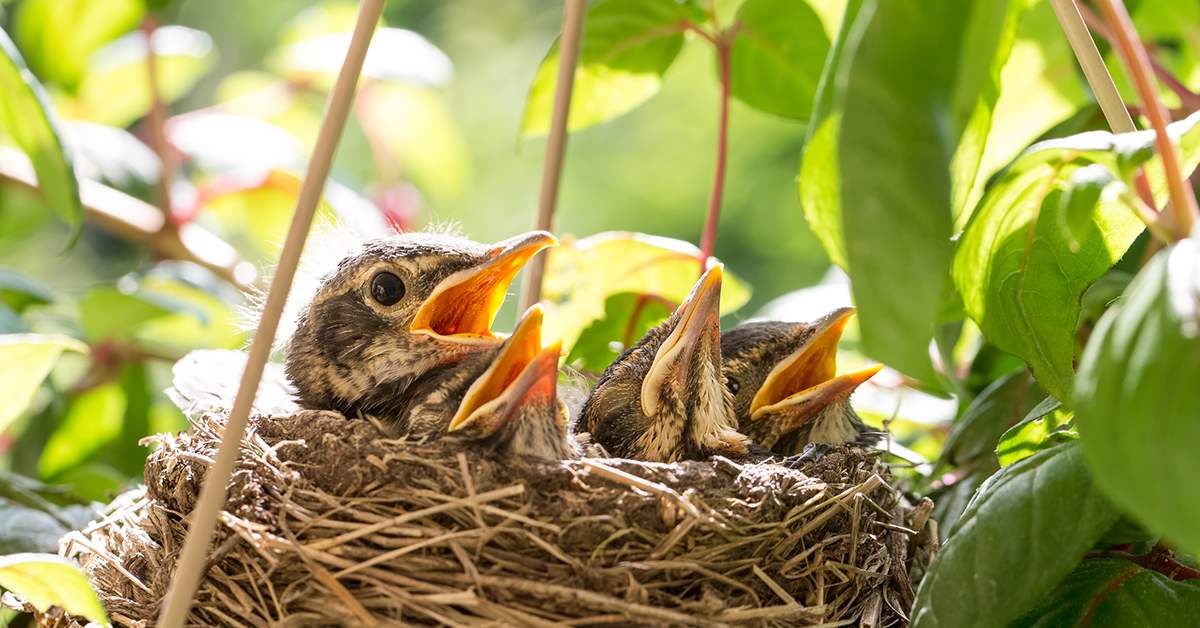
x: 665, y: 399
x: 397, y: 310
x: 503, y: 399
x: 786, y: 395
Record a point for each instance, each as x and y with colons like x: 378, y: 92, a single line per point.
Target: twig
x: 158, y: 119
x: 556, y: 144
x: 1186, y: 96
x: 1183, y: 198
x: 708, y: 240
x: 1093, y: 66
x: 135, y: 220
x: 212, y: 496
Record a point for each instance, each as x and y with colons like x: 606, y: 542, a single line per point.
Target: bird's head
x: 784, y: 375
x: 397, y: 308
x: 513, y: 407
x: 665, y: 398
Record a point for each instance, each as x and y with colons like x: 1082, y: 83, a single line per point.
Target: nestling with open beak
x: 786, y: 391
x: 395, y: 311
x: 665, y: 398
x: 504, y: 399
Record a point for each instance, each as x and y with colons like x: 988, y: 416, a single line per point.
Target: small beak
x: 463, y: 305
x: 699, y: 322
x: 808, y: 403
x: 807, y: 376
x: 521, y: 374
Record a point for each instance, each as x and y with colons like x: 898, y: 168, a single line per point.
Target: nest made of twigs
x: 329, y: 523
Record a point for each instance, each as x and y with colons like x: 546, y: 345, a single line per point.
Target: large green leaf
x: 777, y: 57
x: 27, y: 115
x: 25, y: 360
x: 1110, y: 593
x: 1025, y: 530
x: 47, y: 580
x: 19, y: 291
x: 1021, y: 278
x: 60, y: 35
x: 93, y: 420
x: 1044, y: 427
x: 627, y: 47
x: 1138, y: 396
x: 116, y: 88
x: 582, y: 274
x: 916, y: 108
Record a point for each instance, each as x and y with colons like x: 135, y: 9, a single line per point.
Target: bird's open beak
x: 524, y: 372
x: 699, y: 322
x: 464, y: 304
x: 807, y: 376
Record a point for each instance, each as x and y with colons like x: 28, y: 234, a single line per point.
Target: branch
x: 1160, y: 559
x: 1183, y: 199
x: 1093, y: 66
x: 556, y: 144
x: 1190, y: 99
x: 134, y: 220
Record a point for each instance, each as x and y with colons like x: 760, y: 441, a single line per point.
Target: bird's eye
x: 387, y: 289
x: 732, y: 384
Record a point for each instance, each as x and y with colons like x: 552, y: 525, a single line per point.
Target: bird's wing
x: 208, y: 380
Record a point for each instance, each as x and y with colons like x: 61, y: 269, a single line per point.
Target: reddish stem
x: 709, y: 239
x: 1183, y: 198
x: 1160, y: 559
x: 1187, y: 96
x: 158, y: 120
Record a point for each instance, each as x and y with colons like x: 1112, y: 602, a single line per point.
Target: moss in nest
x: 329, y: 524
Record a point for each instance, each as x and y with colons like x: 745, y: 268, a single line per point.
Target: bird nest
x: 328, y: 524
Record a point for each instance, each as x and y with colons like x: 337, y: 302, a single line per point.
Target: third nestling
x: 786, y: 391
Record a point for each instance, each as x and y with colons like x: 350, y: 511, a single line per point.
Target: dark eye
x: 387, y: 289
x: 732, y: 384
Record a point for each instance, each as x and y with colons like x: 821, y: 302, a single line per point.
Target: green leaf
x: 18, y: 291
x: 582, y: 274
x: 1018, y: 277
x: 60, y: 35
x: 11, y: 322
x: 116, y: 88
x: 627, y: 47
x: 47, y: 580
x: 108, y: 314
x: 777, y: 57
x: 998, y: 407
x: 94, y: 481
x: 627, y: 317
x: 27, y: 115
x: 27, y: 530
x: 950, y: 502
x: 1078, y: 202
x: 1025, y: 530
x: 1110, y: 593
x: 26, y: 360
x: 1138, y: 390
x: 904, y: 163
x: 1044, y: 427
x: 93, y: 420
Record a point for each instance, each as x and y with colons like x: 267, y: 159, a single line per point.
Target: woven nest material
x: 328, y: 524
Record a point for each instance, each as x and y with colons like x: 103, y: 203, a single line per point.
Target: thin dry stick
x: 1186, y: 96
x: 1093, y: 66
x: 556, y: 143
x: 212, y: 496
x: 1183, y: 198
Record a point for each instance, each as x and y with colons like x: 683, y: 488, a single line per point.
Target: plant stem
x: 1093, y: 66
x: 1186, y: 96
x: 158, y: 120
x: 569, y: 46
x: 1183, y: 199
x: 708, y: 240
x: 213, y: 494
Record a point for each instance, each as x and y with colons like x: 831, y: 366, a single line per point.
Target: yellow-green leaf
x: 582, y: 274
x: 47, y: 580
x: 26, y: 360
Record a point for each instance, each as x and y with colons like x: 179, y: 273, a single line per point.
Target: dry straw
x: 328, y: 524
